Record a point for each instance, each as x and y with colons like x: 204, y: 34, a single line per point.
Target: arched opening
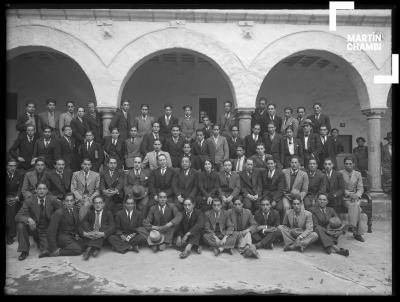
x: 39, y: 73
x: 312, y: 76
x: 178, y: 77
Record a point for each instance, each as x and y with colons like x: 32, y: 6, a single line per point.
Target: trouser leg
x: 10, y: 220
x: 169, y: 234
x: 247, y: 204
x: 43, y: 242
x: 288, y: 239
x: 23, y: 237
x: 324, y: 237
x: 354, y: 212
x: 242, y: 241
x: 312, y: 237
x: 138, y: 239
x: 69, y: 246
x: 119, y: 244
x: 210, y: 239
x: 96, y: 243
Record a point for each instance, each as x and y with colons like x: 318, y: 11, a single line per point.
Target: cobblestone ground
x: 368, y: 270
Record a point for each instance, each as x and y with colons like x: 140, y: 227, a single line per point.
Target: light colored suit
x: 132, y: 149
x: 291, y: 121
x: 151, y: 159
x: 44, y: 121
x: 300, y: 185
x: 29, y: 184
x: 65, y: 120
x: 220, y: 150
x: 144, y: 125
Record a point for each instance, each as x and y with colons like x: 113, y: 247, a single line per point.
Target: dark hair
x: 162, y: 154
x: 51, y: 100
x: 317, y: 103
x: 262, y: 98
x: 289, y: 127
x: 295, y: 156
x: 314, y: 159
x: 112, y: 157
x: 271, y: 104
x: 46, y: 127
x: 260, y: 144
x: 326, y: 195
x: 30, y: 102
x: 114, y: 128
x: 123, y: 101
x: 176, y: 126
x: 137, y: 156
x: 40, y: 158
x: 91, y: 102
x: 97, y: 197
x: 66, y: 126
x: 27, y: 126
x: 144, y: 105
x: 257, y: 124
x: 155, y: 122
x: 216, y: 199
x: 40, y: 183
x: 330, y: 159
x: 67, y: 102
x: 288, y: 108
x: 86, y: 159
x: 80, y: 107
x: 240, y: 146
x: 360, y: 138
x: 270, y: 158
x: 348, y: 158
x: 234, y: 126
x: 167, y: 105
x: 69, y: 194
x: 55, y: 162
x: 228, y: 102
x: 213, y: 126
x: 200, y: 130
x: 301, y: 107
x: 11, y: 159
x: 334, y: 129
x: 226, y: 160
x: 88, y: 132
x: 157, y: 140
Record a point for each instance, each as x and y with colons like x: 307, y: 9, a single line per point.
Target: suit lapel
x: 36, y: 208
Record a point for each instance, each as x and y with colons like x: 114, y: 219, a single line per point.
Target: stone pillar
x: 245, y: 121
x: 107, y: 114
x: 374, y: 117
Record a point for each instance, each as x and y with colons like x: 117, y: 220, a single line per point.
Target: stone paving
x: 367, y: 271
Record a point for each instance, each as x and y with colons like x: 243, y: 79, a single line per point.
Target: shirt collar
x: 44, y: 198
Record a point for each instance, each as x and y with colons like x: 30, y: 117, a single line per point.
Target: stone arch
x: 361, y: 68
x: 138, y: 51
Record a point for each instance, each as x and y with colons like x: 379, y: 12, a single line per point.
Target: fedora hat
x: 138, y: 192
x: 388, y: 135
x: 307, y: 122
x: 335, y: 224
x: 155, y: 237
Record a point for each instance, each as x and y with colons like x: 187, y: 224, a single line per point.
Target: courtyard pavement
x: 367, y: 271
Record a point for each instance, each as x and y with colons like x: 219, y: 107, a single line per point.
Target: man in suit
x: 310, y: 143
x: 14, y: 181
x: 112, y: 185
x: 163, y: 217
x: 201, y: 150
x: 218, y: 229
x: 167, y: 121
x: 79, y: 127
x: 386, y: 159
x: 297, y: 228
x: 322, y: 215
x: 136, y: 176
x: 50, y: 118
x: 334, y: 186
x: 338, y: 145
x: 319, y: 119
x: 266, y: 232
x: 63, y: 231
x: 353, y: 190
x: 151, y: 158
x: 97, y: 225
x: 149, y: 138
x: 144, y: 121
x: 360, y: 154
x: 32, y: 178
x: 289, y: 121
x: 33, y: 218
x: 260, y: 159
x: 174, y: 145
x: 127, y: 223
x: 22, y: 148
x: 58, y: 180
x: 252, y: 140
x: 272, y: 117
x: 68, y: 149
x: 301, y: 117
x: 122, y: 120
x: 251, y: 184
x: 296, y: 184
x: 273, y: 183
x: 132, y: 147
x: 67, y: 117
x: 190, y: 229
x: 188, y: 124
x: 260, y: 115
x: 272, y: 141
x: 233, y: 141
x: 229, y: 185
x: 243, y: 226
x: 207, y: 127
x: 85, y: 185
x: 239, y: 163
x: 92, y: 150
x: 327, y: 147
x: 186, y: 183
x: 290, y: 147
x: 316, y: 184
x: 28, y: 118
x: 219, y: 149
x: 162, y: 179
x: 94, y: 122
x: 46, y: 147
x: 227, y: 120
x: 114, y: 147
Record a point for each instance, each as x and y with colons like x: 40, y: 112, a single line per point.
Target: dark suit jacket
x: 156, y: 217
x: 233, y: 145
x: 21, y: 127
x: 116, y: 182
x: 14, y: 185
x: 277, y: 122
x: 316, y: 183
x: 335, y: 185
x: 69, y: 153
x: 274, y: 185
x: 327, y: 150
x: 285, y: 156
x: 225, y: 224
x: 96, y: 125
x: 58, y: 187
x: 23, y: 148
x: 231, y: 188
x: 251, y: 185
x: 44, y: 121
x: 62, y: 222
x: 107, y: 222
x: 250, y: 146
x: 272, y: 221
x: 201, y: 153
x: 158, y: 182
x: 319, y: 218
x: 123, y: 124
x: 314, y: 147
x: 260, y: 118
x: 207, y: 132
x: 338, y: 146
x: 208, y: 184
x: 186, y: 186
x: 259, y: 162
x: 50, y: 154
x: 131, y: 179
x: 147, y: 143
x: 195, y: 225
x: 165, y: 129
x: 117, y: 151
x: 247, y: 220
x: 125, y: 227
x: 31, y: 208
x: 323, y: 120
x: 79, y: 130
x: 273, y: 147
x: 175, y: 150
x: 95, y: 154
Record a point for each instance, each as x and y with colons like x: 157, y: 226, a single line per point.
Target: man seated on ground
x: 218, y: 229
x: 127, y: 222
x: 273, y: 182
x: 229, y: 185
x: 353, y: 190
x: 267, y: 231
x: 251, y: 184
x: 243, y: 225
x: 151, y: 158
x: 112, y: 184
x: 33, y: 218
x: 58, y: 180
x: 186, y: 183
x: 163, y: 217
x: 328, y: 226
x: 63, y: 231
x: 190, y: 229
x: 96, y: 227
x: 316, y: 183
x: 297, y: 228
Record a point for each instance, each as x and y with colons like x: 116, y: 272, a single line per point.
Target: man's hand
x: 229, y: 199
x: 156, y: 197
x: 155, y: 227
x: 255, y: 197
x: 123, y: 237
x: 33, y: 160
x: 223, y: 241
x: 21, y: 159
x: 76, y: 237
x: 31, y: 224
x: 179, y: 241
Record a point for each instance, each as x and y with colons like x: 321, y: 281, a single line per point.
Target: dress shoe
x: 287, y: 248
x: 87, y: 253
x: 216, y: 251
x: 135, y: 248
x: 301, y: 249
x: 163, y: 246
x: 154, y: 248
x: 359, y: 238
x: 271, y: 246
x: 184, y: 255
x: 44, y: 254
x: 23, y: 256
x: 229, y: 251
x: 344, y: 252
x: 328, y: 250
x: 198, y: 250
x: 55, y: 253
x: 95, y: 252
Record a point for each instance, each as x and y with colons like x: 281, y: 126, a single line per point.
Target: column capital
x: 105, y: 110
x: 245, y: 111
x: 374, y: 112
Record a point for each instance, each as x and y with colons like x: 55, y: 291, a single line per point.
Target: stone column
x: 245, y: 121
x: 374, y: 117
x: 107, y: 114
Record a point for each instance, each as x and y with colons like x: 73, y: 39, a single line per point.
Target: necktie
x: 114, y: 143
x: 296, y: 222
x: 162, y: 172
x: 167, y: 120
x: 46, y: 143
x: 42, y: 213
x: 30, y: 140
x: 227, y: 178
x: 111, y: 173
x: 72, y: 214
x: 269, y: 174
x: 88, y: 146
x: 188, y: 216
x: 86, y: 177
x: 130, y: 216
x: 156, y: 135
x: 10, y: 176
x: 97, y: 222
x: 239, y: 221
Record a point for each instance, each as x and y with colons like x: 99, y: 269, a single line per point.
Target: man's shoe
x: 328, y: 250
x: 287, y: 248
x: 44, y: 254
x: 163, y: 246
x: 350, y: 229
x: 95, y: 252
x: 344, y: 252
x: 23, y: 256
x: 184, y: 255
x: 86, y: 254
x: 301, y: 248
x: 229, y: 251
x: 359, y: 238
x: 198, y: 250
x: 135, y: 248
x: 55, y: 253
x: 154, y: 248
x: 216, y: 251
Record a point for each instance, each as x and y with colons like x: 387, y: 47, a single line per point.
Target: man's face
x: 216, y: 204
x: 39, y: 166
x: 129, y: 204
x: 312, y: 165
x: 262, y: 104
x: 81, y: 112
x: 256, y: 129
x: 289, y: 133
x: 186, y: 148
x: 175, y: 131
x: 271, y: 109
x: 227, y: 107
x: 69, y: 202
x: 125, y: 106
x: 157, y: 146
x: 137, y: 163
x: 307, y: 128
x: 47, y: 133
x: 11, y: 167
x: 162, y: 199
x: 317, y: 109
x: 215, y: 131
x: 115, y: 134
x: 91, y: 108
x: 301, y: 113
x: 206, y: 121
x: 239, y: 152
x: 112, y: 164
x: 60, y: 165
x: 168, y: 111
x: 288, y: 113
x: 41, y: 190
x: 144, y: 110
x: 156, y: 127
x: 227, y: 166
x: 30, y: 131
x: 348, y: 165
x: 238, y: 205
x: 185, y: 163
x: 249, y: 165
x: 200, y: 136
x: 271, y: 129
x: 188, y: 112
x: 86, y: 166
x: 133, y: 132
x: 360, y: 143
x: 335, y: 133
x: 30, y: 108
x: 328, y: 165
x: 271, y: 165
x: 322, y: 201
x: 162, y: 161
x: 323, y: 131
x: 51, y: 106
x: 89, y: 137
x: 68, y: 131
x: 98, y: 204
x: 296, y: 205
x: 235, y: 132
x: 70, y: 107
x: 265, y: 206
x: 294, y: 164
x: 188, y: 205
x: 260, y: 150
